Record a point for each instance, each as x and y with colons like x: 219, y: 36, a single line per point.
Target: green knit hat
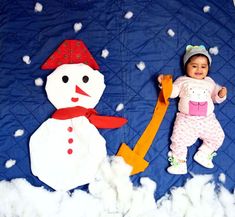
x: 194, y: 50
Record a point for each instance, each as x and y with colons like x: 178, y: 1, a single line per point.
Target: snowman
x: 67, y: 149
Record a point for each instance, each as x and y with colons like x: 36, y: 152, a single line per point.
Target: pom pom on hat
x: 194, y: 50
x: 70, y: 52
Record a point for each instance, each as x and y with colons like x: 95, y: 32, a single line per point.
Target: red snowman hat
x: 69, y: 52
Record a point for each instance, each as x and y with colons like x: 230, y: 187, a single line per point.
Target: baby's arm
x: 223, y: 92
x: 219, y: 93
x: 175, y: 90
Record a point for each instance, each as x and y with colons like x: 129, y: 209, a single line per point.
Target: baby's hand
x: 160, y: 78
x: 223, y: 92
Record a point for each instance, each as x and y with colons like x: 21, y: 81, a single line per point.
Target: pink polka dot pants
x: 187, y: 129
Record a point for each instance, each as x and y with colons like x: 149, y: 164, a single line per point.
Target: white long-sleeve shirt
x: 197, y: 97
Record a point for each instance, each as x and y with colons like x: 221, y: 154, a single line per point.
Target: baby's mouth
x: 198, y: 73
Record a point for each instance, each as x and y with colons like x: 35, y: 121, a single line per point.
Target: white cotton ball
x: 38, y: 7
x: 119, y: 180
x: 96, y: 187
x: 120, y: 167
x: 148, y: 183
x: 170, y: 32
x: 77, y: 27
x: 112, y: 214
x: 227, y: 200
x: 23, y: 199
x: 194, y: 187
x: 18, y: 132
x: 179, y: 201
x: 206, y: 8
x: 9, y: 163
x: 129, y: 15
x: 214, y: 50
x: 120, y: 107
x: 140, y: 65
x: 78, y: 204
x: 35, y: 201
x: 26, y: 59
x: 105, y: 53
x: 109, y: 197
x: 222, y: 177
x: 38, y: 82
x: 207, y: 200
x: 142, y: 200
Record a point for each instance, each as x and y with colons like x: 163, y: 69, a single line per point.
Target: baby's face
x: 197, y: 67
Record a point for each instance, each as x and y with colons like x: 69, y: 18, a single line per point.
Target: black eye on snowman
x: 65, y: 78
x: 85, y: 79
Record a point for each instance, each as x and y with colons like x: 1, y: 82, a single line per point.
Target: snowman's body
x: 66, y: 153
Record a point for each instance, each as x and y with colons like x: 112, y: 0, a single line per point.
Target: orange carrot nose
x: 80, y: 91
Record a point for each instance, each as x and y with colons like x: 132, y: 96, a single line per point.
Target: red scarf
x: 91, y: 115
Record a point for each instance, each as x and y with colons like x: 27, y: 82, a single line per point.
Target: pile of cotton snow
x: 112, y: 194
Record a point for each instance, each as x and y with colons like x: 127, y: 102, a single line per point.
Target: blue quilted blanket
x: 154, y: 32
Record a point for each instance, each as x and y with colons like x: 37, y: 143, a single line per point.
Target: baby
x: 196, y: 118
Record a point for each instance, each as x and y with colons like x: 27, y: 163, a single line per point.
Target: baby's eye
x: 194, y: 66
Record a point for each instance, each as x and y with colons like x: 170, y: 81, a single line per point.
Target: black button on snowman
x: 67, y: 149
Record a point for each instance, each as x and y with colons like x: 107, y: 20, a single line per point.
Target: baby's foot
x: 204, y: 159
x: 177, y: 167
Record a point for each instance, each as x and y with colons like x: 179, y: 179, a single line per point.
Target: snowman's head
x: 75, y: 85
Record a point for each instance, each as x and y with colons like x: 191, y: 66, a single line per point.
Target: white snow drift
x: 112, y: 194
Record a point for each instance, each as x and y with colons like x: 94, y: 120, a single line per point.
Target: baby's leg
x: 212, y: 135
x: 184, y: 135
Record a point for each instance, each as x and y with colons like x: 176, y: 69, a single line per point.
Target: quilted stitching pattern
x: 142, y: 38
